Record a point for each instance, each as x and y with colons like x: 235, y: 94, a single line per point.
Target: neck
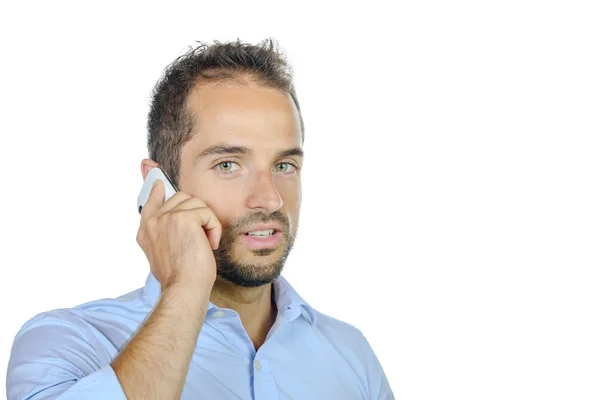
x: 256, y: 307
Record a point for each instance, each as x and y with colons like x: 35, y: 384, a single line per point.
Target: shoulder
x: 80, y: 319
x: 71, y: 342
x: 88, y: 318
x: 346, y: 337
x: 132, y: 302
x: 79, y: 326
x: 353, y: 346
x: 334, y: 327
x: 44, y: 335
x: 51, y: 353
x: 53, y: 321
x: 51, y: 344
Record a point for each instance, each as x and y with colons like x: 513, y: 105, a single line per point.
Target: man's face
x: 257, y: 183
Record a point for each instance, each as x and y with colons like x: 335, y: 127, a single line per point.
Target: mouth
x: 262, y: 229
x: 263, y: 238
x: 261, y: 233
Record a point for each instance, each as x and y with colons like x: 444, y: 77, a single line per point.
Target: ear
x: 146, y: 166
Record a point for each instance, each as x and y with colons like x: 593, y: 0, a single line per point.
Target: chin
x: 251, y: 267
x: 250, y: 275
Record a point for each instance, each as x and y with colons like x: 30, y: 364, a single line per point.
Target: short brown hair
x: 170, y: 125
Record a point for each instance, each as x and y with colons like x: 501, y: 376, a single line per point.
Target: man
x: 214, y: 320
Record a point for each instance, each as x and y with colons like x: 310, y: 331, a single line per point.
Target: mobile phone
x: 153, y: 175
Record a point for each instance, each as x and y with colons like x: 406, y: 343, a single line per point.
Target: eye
x: 226, y: 166
x: 285, y: 167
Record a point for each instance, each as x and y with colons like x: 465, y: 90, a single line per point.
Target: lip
x: 259, y: 243
x: 260, y: 227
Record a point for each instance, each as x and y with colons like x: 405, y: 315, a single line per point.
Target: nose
x: 263, y: 194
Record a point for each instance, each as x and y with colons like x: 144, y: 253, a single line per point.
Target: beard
x: 258, y: 272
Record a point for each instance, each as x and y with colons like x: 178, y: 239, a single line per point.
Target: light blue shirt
x: 66, y: 353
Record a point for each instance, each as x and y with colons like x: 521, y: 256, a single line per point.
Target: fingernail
x: 155, y: 182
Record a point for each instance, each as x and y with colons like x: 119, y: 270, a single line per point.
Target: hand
x: 178, y: 238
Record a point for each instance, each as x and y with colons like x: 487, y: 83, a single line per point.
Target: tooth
x: 264, y: 232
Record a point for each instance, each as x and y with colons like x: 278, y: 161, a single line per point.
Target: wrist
x: 188, y: 291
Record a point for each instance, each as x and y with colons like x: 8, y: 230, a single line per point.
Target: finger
x: 189, y: 203
x: 213, y: 234
x: 209, y: 222
x: 173, y: 202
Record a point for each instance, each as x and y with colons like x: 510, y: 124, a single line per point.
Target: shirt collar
x: 285, y: 297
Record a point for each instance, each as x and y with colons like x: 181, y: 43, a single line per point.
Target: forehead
x: 243, y: 114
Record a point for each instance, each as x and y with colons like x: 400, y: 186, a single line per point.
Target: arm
x: 178, y: 238
x: 154, y: 364
x: 58, y: 359
x: 54, y: 357
x: 379, y: 387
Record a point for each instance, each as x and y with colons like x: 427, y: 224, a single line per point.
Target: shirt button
x: 305, y: 315
x: 218, y: 314
x: 257, y: 365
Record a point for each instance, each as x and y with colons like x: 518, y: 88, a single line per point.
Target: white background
x: 451, y: 197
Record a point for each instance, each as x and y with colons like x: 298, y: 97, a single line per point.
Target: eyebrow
x: 225, y: 149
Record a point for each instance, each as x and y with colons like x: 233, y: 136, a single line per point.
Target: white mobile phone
x: 154, y: 174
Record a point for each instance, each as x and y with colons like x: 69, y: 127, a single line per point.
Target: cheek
x: 224, y: 204
x: 289, y: 189
x: 292, y: 198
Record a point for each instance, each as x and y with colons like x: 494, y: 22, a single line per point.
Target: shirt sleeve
x: 52, y: 358
x: 379, y: 387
